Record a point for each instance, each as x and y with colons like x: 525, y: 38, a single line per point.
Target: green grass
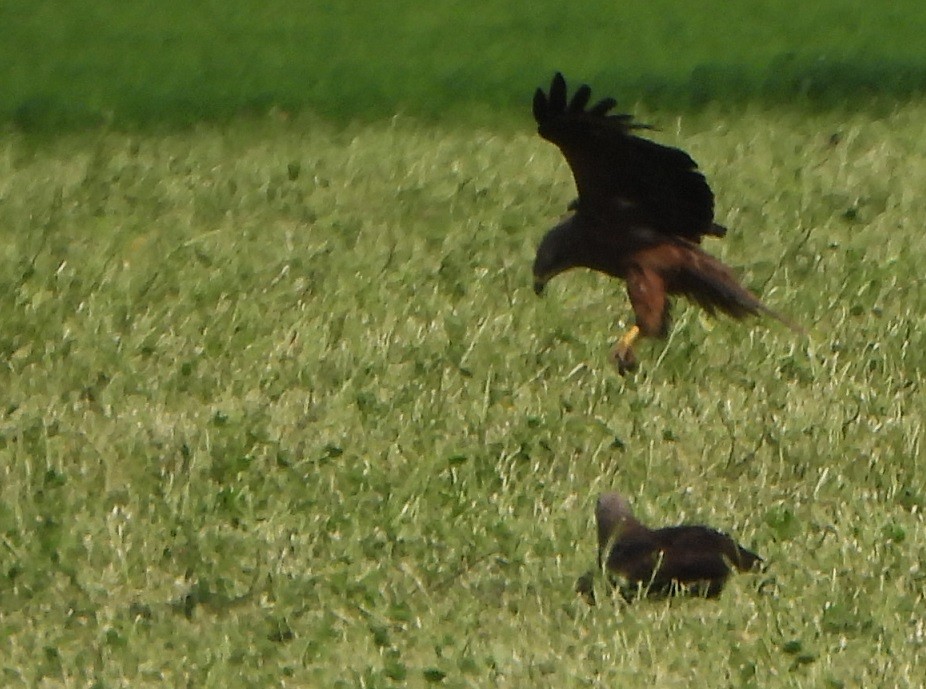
x: 131, y: 63
x: 280, y: 408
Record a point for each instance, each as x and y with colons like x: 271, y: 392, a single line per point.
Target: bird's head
x: 613, y: 516
x: 557, y: 252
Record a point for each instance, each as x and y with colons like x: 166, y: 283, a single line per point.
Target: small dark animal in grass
x: 696, y: 559
x: 640, y: 216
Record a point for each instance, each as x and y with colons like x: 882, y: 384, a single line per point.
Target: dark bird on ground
x: 640, y: 216
x: 696, y: 559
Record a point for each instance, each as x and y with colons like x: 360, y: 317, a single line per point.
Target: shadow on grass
x: 814, y: 85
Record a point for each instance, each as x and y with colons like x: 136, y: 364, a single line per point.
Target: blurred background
x: 67, y: 65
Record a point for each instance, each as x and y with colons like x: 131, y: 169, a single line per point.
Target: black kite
x: 696, y: 558
x: 640, y: 216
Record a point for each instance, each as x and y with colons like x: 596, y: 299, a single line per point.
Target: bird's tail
x: 711, y: 284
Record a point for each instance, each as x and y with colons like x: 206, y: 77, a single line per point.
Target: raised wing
x: 621, y: 176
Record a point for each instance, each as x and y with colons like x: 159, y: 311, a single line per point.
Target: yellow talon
x: 622, y: 354
x: 629, y: 337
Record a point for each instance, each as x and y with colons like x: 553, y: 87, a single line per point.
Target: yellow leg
x: 622, y: 354
x: 628, y: 338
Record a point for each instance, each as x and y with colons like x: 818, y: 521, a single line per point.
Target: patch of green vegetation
x: 280, y: 406
x: 73, y: 65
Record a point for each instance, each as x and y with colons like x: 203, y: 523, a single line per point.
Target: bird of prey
x: 640, y: 215
x: 661, y: 561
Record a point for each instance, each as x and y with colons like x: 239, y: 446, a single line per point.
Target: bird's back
x: 696, y: 545
x: 695, y: 556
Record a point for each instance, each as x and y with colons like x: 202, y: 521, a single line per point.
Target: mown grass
x: 280, y: 407
x: 177, y: 63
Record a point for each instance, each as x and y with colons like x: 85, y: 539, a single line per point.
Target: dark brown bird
x: 695, y: 558
x: 640, y: 216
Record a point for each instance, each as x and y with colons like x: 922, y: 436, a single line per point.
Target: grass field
x: 281, y: 409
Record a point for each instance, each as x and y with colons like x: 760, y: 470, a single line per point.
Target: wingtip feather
x: 602, y: 107
x: 580, y: 99
x: 540, y: 106
x: 558, y: 93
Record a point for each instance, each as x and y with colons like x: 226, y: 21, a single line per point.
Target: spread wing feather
x: 621, y: 176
